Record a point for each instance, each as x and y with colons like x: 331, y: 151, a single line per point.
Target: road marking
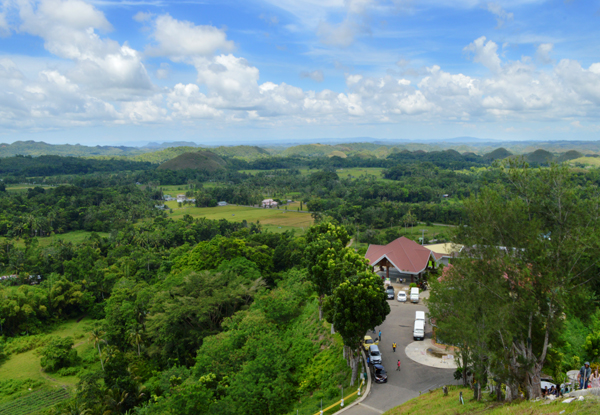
x: 371, y: 408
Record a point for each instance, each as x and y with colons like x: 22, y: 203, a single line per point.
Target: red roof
x: 405, y: 255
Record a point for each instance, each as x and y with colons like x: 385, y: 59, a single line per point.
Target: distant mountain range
x: 161, y: 152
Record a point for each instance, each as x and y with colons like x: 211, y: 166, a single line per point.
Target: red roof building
x: 408, y: 257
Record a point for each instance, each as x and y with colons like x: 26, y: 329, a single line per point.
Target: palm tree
x: 136, y: 337
x: 96, y: 337
x: 114, y: 400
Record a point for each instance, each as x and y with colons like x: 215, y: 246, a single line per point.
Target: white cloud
x: 68, y: 28
x: 230, y: 78
x: 341, y: 35
x: 485, y: 53
x: 164, y: 71
x: 182, y: 39
x: 316, y: 75
x: 542, y: 53
x: 146, y: 111
x: 142, y: 16
x: 502, y: 16
x: 9, y: 70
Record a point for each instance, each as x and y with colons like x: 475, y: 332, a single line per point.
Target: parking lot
x: 413, y: 377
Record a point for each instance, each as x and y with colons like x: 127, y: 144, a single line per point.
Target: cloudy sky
x: 209, y: 71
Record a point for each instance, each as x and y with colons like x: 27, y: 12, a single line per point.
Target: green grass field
x: 74, y: 237
x: 275, y: 220
x: 587, y: 161
x: 435, y: 403
x: 27, y: 365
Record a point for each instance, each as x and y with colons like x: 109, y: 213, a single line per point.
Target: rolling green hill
x: 39, y: 148
x: 539, y: 156
x: 569, y: 155
x: 201, y: 160
x: 243, y: 152
x: 497, y: 154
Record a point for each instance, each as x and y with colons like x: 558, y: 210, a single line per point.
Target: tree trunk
x: 332, y: 329
x: 100, y: 354
x: 354, y: 358
x: 320, y: 307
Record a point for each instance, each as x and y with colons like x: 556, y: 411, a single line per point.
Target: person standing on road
x: 398, y: 368
x: 379, y: 335
x: 584, y: 375
x: 394, y: 346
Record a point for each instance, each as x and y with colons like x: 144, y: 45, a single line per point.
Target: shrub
x: 412, y: 285
x: 68, y: 371
x: 59, y: 353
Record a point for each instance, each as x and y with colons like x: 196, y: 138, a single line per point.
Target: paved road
x: 413, y: 377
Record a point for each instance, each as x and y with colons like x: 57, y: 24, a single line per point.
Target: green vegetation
x: 35, y: 401
x: 200, y: 160
x: 187, y: 303
x: 523, y: 272
x: 435, y: 403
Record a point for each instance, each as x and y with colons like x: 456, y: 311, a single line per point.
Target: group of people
x: 554, y: 390
x: 586, y: 378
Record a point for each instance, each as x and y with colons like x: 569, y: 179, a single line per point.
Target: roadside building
x: 407, y: 258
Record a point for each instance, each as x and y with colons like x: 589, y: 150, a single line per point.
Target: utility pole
x: 423, y: 236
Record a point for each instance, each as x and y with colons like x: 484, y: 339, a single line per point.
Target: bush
x: 59, y: 353
x: 11, y: 386
x: 68, y: 371
x: 412, y: 285
x: 26, y: 343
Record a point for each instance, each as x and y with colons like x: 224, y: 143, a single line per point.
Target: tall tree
x: 539, y: 231
x: 355, y: 306
x: 96, y: 338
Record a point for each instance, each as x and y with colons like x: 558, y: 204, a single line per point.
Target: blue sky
x: 109, y: 72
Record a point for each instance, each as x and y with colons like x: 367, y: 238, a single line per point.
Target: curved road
x: 414, y: 377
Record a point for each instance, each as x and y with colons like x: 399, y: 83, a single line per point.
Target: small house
x: 268, y: 203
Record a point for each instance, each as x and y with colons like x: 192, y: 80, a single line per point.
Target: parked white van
x: 414, y: 295
x: 419, y: 330
x: 420, y: 315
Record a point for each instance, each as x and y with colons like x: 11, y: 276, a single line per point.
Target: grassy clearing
x: 25, y: 367
x: 587, y: 161
x: 272, y: 219
x: 75, y: 237
x: 435, y: 403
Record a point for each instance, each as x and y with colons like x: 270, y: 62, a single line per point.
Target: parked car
x: 378, y: 374
x: 368, y: 341
x: 374, y: 355
x: 414, y: 295
x: 420, y: 315
x: 390, y: 292
x: 419, y: 330
x: 402, y: 296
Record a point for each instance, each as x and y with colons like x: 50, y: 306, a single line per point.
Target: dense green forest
x: 185, y: 314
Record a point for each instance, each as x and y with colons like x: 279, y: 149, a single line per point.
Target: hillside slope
x: 201, y: 160
x: 435, y: 403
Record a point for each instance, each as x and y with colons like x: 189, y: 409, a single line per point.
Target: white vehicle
x: 402, y: 296
x: 419, y: 315
x: 419, y: 330
x: 374, y: 355
x: 414, y: 295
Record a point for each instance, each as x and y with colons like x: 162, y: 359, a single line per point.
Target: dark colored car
x: 379, y: 374
x: 390, y: 293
